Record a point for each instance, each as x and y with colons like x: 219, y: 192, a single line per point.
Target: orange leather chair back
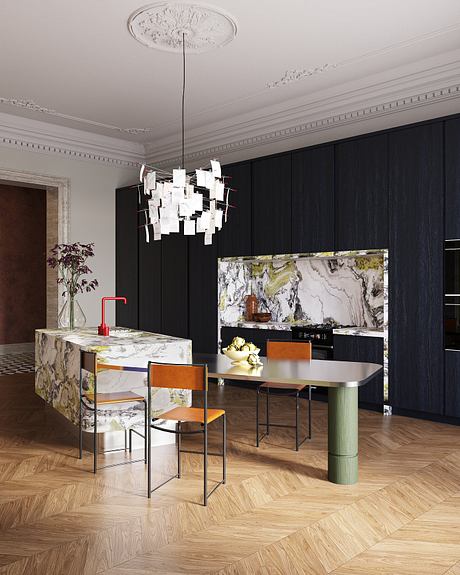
x: 193, y: 377
x: 289, y: 349
x: 88, y: 361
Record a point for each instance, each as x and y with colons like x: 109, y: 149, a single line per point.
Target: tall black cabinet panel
x: 150, y: 301
x: 416, y: 269
x: 453, y: 179
x: 174, y: 284
x: 235, y: 238
x: 366, y: 349
x: 127, y: 256
x: 452, y: 383
x: 313, y: 200
x: 202, y: 274
x: 271, y: 197
x: 361, y: 193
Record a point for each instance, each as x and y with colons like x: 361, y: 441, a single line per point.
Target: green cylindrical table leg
x: 343, y: 435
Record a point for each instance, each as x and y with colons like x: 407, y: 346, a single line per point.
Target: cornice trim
x: 35, y: 136
x: 329, y: 122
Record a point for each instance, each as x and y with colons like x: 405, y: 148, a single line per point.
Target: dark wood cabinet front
x: 416, y: 269
x: 313, y: 200
x: 126, y: 262
x: 271, y: 192
x: 366, y: 349
x: 258, y: 337
x: 235, y: 238
x: 452, y: 143
x: 452, y: 403
x: 361, y: 193
x: 174, y: 285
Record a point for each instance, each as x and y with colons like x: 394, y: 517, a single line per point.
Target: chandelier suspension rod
x: 183, y: 101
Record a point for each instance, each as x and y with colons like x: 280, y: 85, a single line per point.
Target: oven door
x: 322, y: 351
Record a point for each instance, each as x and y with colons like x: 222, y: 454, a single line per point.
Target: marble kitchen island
x: 57, y: 368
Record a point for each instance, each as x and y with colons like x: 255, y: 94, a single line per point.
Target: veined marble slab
x: 362, y: 331
x: 57, y: 372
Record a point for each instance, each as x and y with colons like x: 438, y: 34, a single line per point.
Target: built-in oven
x: 321, y: 337
x: 452, y: 294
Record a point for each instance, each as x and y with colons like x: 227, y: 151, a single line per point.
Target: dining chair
x: 192, y: 377
x: 292, y: 350
x: 93, y: 400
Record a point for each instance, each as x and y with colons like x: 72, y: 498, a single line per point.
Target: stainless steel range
x: 320, y: 335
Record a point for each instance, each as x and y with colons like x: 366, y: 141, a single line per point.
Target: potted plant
x: 70, y: 260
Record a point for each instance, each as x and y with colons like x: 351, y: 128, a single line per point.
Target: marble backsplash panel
x: 348, y: 290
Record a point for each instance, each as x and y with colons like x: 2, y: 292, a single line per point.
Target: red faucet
x: 104, y: 329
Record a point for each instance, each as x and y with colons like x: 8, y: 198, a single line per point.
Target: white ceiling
x: 77, y: 60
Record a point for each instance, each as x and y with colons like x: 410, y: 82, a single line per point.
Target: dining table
x: 341, y: 378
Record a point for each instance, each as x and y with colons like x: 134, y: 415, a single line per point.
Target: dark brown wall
x: 22, y: 263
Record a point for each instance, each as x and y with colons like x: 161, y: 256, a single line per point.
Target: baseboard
x: 427, y: 416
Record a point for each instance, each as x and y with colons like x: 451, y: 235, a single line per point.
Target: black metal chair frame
x: 93, y: 408
x: 179, y: 432
x: 267, y: 423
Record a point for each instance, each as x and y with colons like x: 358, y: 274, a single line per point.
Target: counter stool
x: 193, y: 377
x: 285, y: 350
x: 92, y: 400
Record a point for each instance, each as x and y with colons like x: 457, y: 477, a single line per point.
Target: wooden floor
x: 276, y: 515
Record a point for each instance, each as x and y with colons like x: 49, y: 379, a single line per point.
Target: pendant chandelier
x: 191, y: 202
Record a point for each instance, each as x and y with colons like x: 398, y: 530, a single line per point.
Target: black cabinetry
x: 452, y: 143
x: 257, y: 336
x: 366, y: 349
x: 361, y: 193
x: 174, y: 285
x: 271, y: 216
x: 150, y: 289
x: 416, y: 269
x: 452, y: 407
x: 126, y: 222
x: 313, y: 199
x: 202, y: 280
x: 235, y: 238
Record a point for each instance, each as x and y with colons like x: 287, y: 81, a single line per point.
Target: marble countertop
x: 89, y: 338
x: 286, y: 326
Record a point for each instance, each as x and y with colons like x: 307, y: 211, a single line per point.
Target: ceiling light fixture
x: 198, y: 201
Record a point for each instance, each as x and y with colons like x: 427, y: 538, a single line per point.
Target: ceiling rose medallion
x: 162, y: 25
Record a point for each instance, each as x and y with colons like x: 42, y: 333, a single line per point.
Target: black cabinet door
x: 174, y: 284
x: 313, y: 200
x: 366, y: 349
x: 235, y: 238
x: 258, y: 337
x: 126, y: 223
x: 361, y: 193
x: 150, y: 303
x: 452, y: 359
x: 202, y: 280
x: 452, y: 179
x: 416, y: 377
x: 271, y: 193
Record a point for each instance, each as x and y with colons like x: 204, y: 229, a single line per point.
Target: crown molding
x: 322, y: 113
x: 36, y: 136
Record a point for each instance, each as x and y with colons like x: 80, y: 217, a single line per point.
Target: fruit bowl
x: 239, y: 356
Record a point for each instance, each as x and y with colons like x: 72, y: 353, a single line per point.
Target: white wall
x: 92, y: 213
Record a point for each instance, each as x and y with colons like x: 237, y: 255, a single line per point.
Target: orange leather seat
x: 193, y: 414
x: 115, y: 397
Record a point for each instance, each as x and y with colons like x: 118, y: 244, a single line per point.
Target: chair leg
x: 130, y: 447
x: 224, y: 448
x: 268, y: 411
x: 257, y: 418
x: 149, y: 457
x: 297, y: 421
x: 178, y: 449
x: 80, y: 433
x: 205, y: 452
x: 146, y: 422
x: 309, y: 412
x: 126, y: 439
x: 95, y: 442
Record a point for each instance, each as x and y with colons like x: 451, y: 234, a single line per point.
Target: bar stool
x: 285, y: 350
x: 92, y: 400
x: 193, y: 377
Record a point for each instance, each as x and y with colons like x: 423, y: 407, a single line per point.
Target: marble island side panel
x: 57, y: 369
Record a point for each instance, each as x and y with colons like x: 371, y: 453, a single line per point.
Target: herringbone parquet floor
x: 276, y: 515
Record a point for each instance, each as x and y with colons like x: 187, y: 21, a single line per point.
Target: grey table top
x: 318, y: 372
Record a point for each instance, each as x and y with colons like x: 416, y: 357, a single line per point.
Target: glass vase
x: 71, y: 315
